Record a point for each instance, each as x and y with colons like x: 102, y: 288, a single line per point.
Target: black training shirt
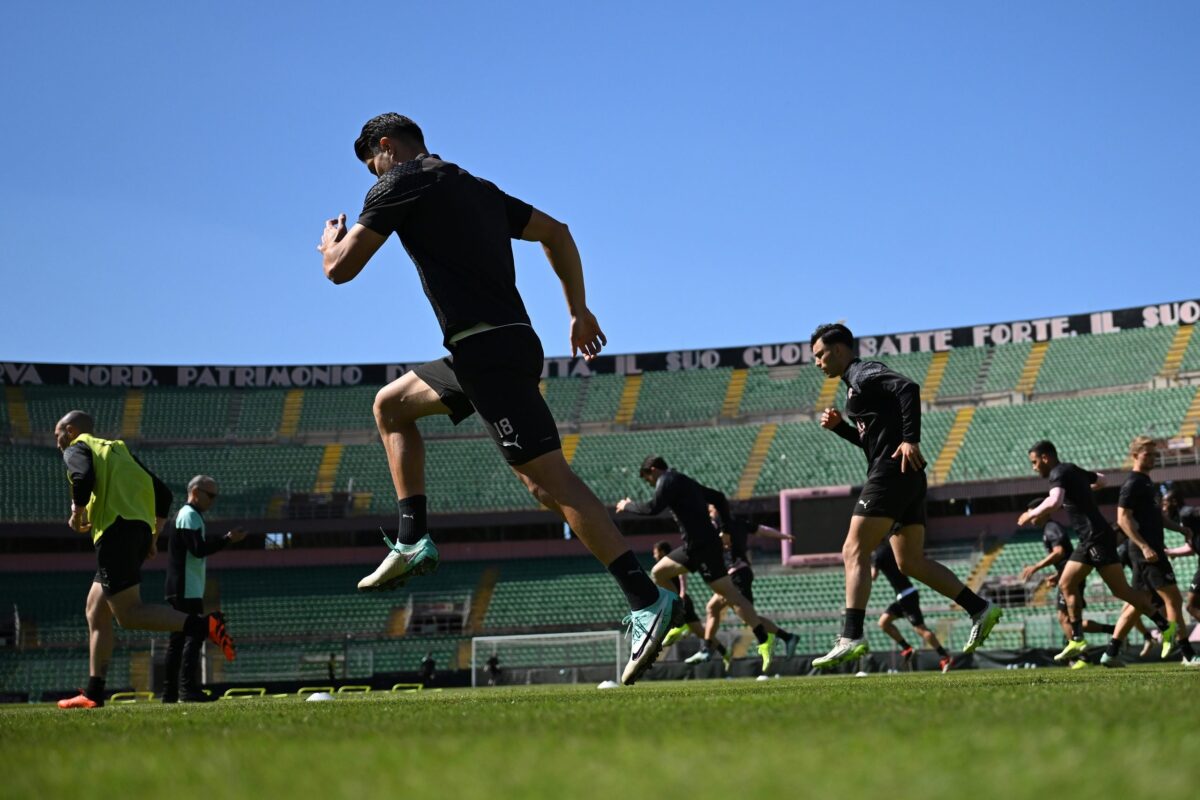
x: 1189, y: 520
x: 1055, y: 535
x: 885, y: 408
x: 1140, y: 497
x: 1079, y: 501
x: 688, y: 502
x: 457, y: 230
x: 884, y: 560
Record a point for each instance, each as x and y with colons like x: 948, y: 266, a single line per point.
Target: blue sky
x: 732, y: 173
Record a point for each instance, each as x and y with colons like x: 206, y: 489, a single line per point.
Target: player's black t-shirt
x: 884, y: 560
x: 1080, y: 503
x: 885, y: 408
x: 1189, y: 520
x: 688, y: 502
x: 1055, y: 535
x: 1140, y: 497
x: 456, y: 228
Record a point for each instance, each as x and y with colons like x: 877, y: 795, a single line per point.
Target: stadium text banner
x: 769, y: 355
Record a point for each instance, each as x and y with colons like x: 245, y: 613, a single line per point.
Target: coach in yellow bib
x: 123, y: 506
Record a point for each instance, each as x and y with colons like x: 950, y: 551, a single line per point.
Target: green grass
x: 1011, y: 734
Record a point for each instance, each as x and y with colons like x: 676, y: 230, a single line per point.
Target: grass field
x: 1012, y: 734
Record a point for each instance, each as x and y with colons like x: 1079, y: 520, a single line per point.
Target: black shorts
x: 1194, y: 588
x: 119, y: 555
x: 497, y: 373
x: 705, y: 560
x: 1151, y: 576
x: 743, y: 579
x: 1097, y: 551
x: 689, y: 610
x: 899, y: 496
x: 1061, y: 602
x: 909, y: 607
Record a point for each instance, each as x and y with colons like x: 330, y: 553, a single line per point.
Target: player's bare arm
x: 346, y: 252
x: 1129, y: 525
x: 1053, y: 557
x: 563, y: 255
x: 831, y: 418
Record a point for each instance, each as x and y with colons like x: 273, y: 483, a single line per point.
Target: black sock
x: 412, y: 519
x: 784, y: 635
x: 972, y: 603
x: 1146, y: 635
x: 1114, y: 647
x: 1102, y: 628
x: 1076, y: 629
x: 1186, y: 647
x: 95, y: 689
x: 904, y: 645
x: 196, y: 627
x: 852, y: 623
x: 943, y: 652
x: 760, y: 633
x: 639, y: 590
x: 720, y: 648
x: 1160, y: 621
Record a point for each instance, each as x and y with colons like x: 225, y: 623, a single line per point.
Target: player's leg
x: 1070, y: 583
x: 933, y: 643
x: 1113, y: 575
x: 1172, y: 600
x: 864, y: 536
x: 888, y: 626
x: 669, y: 567
x: 1111, y: 656
x: 723, y: 585
x: 100, y: 647
x: 190, y: 688
x: 429, y: 389
x: 174, y: 661
x: 1193, y: 598
x: 712, y: 623
x: 908, y: 545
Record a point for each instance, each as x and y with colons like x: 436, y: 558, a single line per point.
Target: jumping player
x: 691, y: 620
x: 886, y: 411
x: 907, y: 604
x: 457, y: 230
x: 1071, y: 488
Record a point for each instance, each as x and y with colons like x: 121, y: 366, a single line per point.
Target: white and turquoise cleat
x: 404, y: 562
x: 982, y: 626
x: 647, y: 629
x: 843, y: 650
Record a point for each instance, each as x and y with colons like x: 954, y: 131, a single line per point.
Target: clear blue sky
x: 733, y: 173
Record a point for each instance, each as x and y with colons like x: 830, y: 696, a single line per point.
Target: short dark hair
x: 664, y: 546
x: 1044, y: 448
x: 391, y: 125
x: 1173, y: 497
x: 81, y: 420
x: 653, y: 462
x: 832, y: 333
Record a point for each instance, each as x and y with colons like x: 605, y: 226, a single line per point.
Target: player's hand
x: 1149, y: 554
x: 831, y: 418
x: 586, y: 336
x: 79, y: 520
x: 1024, y: 519
x: 910, y: 455
x: 1052, y: 579
x: 1027, y: 572
x: 622, y: 503
x: 335, y: 231
x: 236, y: 535
x: 152, y: 551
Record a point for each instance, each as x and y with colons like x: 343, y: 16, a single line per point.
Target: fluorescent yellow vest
x: 123, y: 489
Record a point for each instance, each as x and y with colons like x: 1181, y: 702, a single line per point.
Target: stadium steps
x: 293, y: 405
x: 737, y: 389
x: 1033, y: 366
x: 981, y: 377
x: 982, y: 567
x: 398, y: 621
x: 327, y: 470
x: 1191, y: 419
x: 481, y: 598
x: 570, y: 443
x: 1179, y: 346
x: 754, y: 464
x: 361, y: 503
x: 933, y: 377
x: 954, y: 443
x: 131, y: 414
x: 275, y: 507
x: 18, y: 412
x: 828, y: 391
x: 629, y: 399
x: 1040, y: 594
x: 139, y: 671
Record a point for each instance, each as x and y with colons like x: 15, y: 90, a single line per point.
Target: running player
x: 736, y: 555
x: 701, y: 550
x: 123, y: 506
x: 691, y: 620
x: 1057, y: 542
x: 456, y: 228
x: 907, y: 604
x: 1185, y: 519
x: 886, y: 411
x: 1071, y: 488
x: 1139, y: 514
